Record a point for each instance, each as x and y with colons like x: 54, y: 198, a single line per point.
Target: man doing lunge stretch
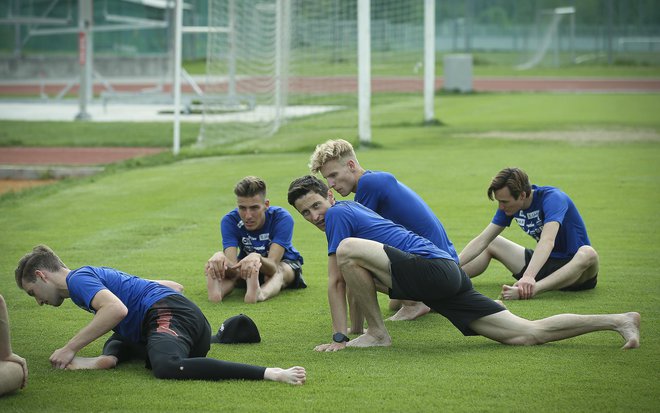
x: 368, y: 253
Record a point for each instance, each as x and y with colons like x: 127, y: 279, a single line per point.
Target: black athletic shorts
x: 173, y: 325
x: 552, y: 265
x: 442, y: 285
x: 298, y: 281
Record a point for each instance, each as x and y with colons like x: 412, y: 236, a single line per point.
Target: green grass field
x: 160, y: 218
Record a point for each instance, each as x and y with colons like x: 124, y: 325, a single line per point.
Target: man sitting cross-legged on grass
x: 148, y: 319
x: 257, y: 249
x: 384, y: 194
x: 563, y: 258
x: 368, y: 253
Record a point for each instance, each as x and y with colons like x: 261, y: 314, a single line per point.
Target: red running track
x: 70, y: 156
x: 348, y: 84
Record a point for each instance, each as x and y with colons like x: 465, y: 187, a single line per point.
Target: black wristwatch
x: 340, y: 338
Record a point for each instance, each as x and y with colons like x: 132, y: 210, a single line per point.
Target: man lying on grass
x: 149, y: 320
x: 368, y: 253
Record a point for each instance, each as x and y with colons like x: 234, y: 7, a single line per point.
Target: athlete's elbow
x: 119, y: 311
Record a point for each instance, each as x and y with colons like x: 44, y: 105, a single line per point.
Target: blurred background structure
x: 251, y: 65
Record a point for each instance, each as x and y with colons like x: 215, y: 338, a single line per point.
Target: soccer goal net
x: 271, y: 61
x: 551, y: 35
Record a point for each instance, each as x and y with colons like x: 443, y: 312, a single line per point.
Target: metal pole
x: 469, y: 17
x: 610, y: 31
x: 178, y: 22
x: 231, y: 64
x: 557, y: 39
x: 573, y: 38
x: 17, y: 30
x: 279, y: 27
x: 364, y: 71
x: 429, y: 60
x: 282, y: 49
x: 85, y: 57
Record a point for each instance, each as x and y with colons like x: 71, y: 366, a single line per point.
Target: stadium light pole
x: 176, y: 86
x: 364, y: 71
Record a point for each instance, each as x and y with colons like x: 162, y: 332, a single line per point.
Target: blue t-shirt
x: 277, y: 228
x: 550, y: 204
x: 349, y: 219
x: 137, y: 294
x: 384, y: 194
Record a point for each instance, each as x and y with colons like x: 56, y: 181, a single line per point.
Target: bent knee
x: 11, y: 375
x: 588, y: 255
x: 346, y: 246
x: 167, y: 370
x: 345, y: 249
x: 501, y: 247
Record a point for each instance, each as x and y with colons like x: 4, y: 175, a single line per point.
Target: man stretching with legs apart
x: 563, y: 258
x: 257, y: 249
x: 368, y: 253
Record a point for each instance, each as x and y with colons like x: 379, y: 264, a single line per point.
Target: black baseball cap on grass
x: 237, y: 329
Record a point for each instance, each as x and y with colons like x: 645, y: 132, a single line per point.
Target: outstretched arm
x: 275, y: 254
x: 337, y: 301
x: 539, y: 258
x: 218, y: 265
x: 109, y: 312
x: 479, y: 244
x: 254, y: 263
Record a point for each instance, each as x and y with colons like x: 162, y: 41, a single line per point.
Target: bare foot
x: 261, y: 296
x: 629, y: 329
x: 395, y: 304
x: 214, y: 289
x: 92, y: 363
x: 293, y: 375
x: 253, y: 290
x: 410, y: 312
x: 366, y: 340
x: 509, y: 293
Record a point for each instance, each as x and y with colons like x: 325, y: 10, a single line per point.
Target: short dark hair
x: 250, y: 186
x: 513, y: 178
x: 41, y: 257
x: 304, y: 185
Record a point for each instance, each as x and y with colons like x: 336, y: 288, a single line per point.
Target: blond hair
x: 330, y: 150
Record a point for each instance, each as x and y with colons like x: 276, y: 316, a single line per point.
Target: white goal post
x: 272, y: 60
x: 551, y: 36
